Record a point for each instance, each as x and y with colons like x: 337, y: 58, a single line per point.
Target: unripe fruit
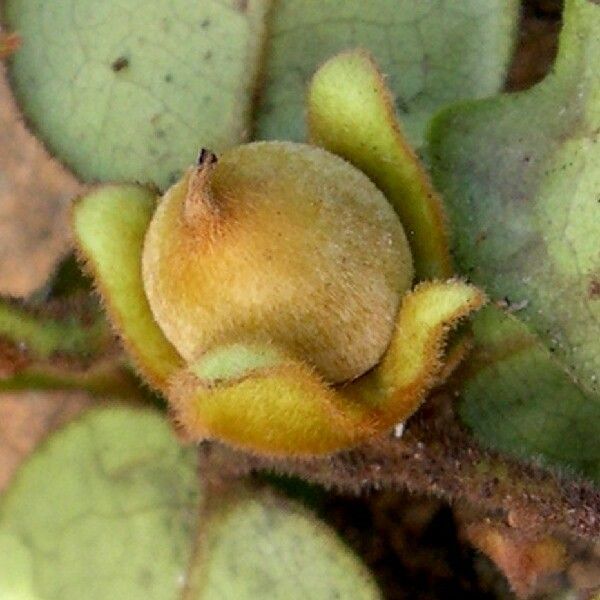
x: 281, y: 243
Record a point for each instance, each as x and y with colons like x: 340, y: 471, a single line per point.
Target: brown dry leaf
x: 34, y: 196
x: 9, y: 44
x: 537, y: 43
x: 584, y: 572
x: 524, y: 561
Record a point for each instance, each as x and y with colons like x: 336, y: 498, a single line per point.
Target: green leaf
x: 260, y: 546
x: 517, y: 397
x: 105, y: 509
x: 129, y: 90
x: 110, y: 507
x: 109, y: 225
x: 521, y: 174
x: 435, y: 52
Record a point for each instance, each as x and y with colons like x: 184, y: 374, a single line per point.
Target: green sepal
x: 109, y: 225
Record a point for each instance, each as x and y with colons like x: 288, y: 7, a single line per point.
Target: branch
x: 61, y: 344
x: 435, y: 456
x: 69, y: 328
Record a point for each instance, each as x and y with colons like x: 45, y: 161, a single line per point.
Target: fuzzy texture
x: 109, y: 224
x: 414, y: 361
x: 255, y: 397
x: 278, y: 242
x: 283, y: 409
x: 351, y: 113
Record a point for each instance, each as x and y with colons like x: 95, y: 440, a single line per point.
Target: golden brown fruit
x: 278, y: 242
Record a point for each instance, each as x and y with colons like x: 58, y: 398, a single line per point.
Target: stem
x: 435, y: 456
x: 43, y: 332
x: 109, y: 378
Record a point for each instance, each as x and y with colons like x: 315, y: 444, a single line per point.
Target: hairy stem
x: 435, y: 456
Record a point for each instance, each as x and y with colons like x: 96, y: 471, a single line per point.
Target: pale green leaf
x: 260, y: 546
x: 130, y: 89
x: 520, y: 175
x: 105, y: 509
x: 110, y: 507
x: 517, y: 397
x: 434, y: 51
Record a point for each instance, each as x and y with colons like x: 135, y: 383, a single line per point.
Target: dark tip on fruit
x: 206, y: 157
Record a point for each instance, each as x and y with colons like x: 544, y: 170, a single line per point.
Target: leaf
x: 260, y: 546
x: 129, y: 90
x: 351, y: 113
x: 520, y: 174
x: 109, y: 226
x: 518, y: 398
x: 110, y: 507
x: 435, y: 52
x: 105, y: 509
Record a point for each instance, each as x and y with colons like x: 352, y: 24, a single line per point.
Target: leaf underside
x: 520, y: 175
x: 519, y: 398
x: 128, y: 90
x: 258, y: 545
x: 434, y: 52
x: 100, y: 513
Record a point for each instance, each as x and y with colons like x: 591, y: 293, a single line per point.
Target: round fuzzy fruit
x: 281, y: 243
